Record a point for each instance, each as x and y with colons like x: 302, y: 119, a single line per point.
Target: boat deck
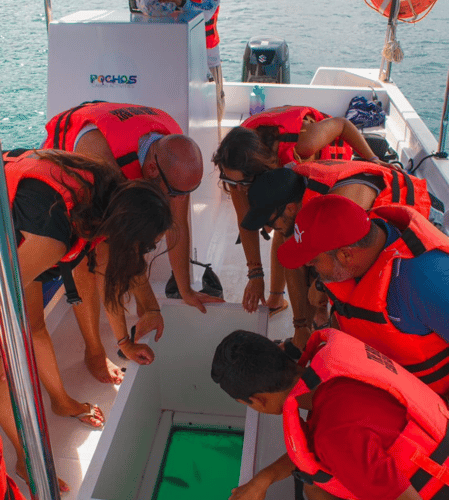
x: 73, y: 444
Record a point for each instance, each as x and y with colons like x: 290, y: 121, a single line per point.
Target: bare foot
x: 103, y: 369
x: 21, y: 472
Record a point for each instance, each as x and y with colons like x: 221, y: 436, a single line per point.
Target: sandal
x: 90, y: 414
x: 276, y: 310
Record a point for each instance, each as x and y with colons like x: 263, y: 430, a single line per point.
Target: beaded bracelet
x: 255, y: 264
x: 257, y: 275
x: 255, y: 270
x: 299, y: 322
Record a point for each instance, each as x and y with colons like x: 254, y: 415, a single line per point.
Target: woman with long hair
x: 63, y: 205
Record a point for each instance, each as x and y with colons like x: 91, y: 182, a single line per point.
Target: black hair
x: 247, y: 363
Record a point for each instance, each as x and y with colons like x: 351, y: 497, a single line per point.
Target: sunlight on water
x: 319, y: 33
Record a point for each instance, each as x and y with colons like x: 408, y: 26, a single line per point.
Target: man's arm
x: 93, y: 145
x: 256, y: 489
x: 178, y: 243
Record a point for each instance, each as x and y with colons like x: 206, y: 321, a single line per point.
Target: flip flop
x: 90, y: 413
x: 276, y: 310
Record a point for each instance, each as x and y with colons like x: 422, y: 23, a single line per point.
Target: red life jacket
x: 28, y: 165
x: 421, y: 449
x: 8, y: 488
x: 399, y: 186
x: 212, y: 38
x: 122, y: 125
x: 289, y: 122
x: 361, y: 307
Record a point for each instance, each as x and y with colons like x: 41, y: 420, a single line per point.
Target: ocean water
x: 318, y: 32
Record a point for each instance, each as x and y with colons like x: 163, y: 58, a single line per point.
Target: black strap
x: 414, y: 244
x: 421, y: 477
x: 311, y: 378
x: 349, y: 311
x: 395, y: 191
x: 317, y: 186
x: 318, y: 477
x: 65, y: 269
x: 127, y: 159
x: 288, y: 137
x: 410, y: 197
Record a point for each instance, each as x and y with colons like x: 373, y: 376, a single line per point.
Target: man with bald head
x: 143, y: 142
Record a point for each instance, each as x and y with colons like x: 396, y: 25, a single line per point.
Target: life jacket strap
x: 319, y: 477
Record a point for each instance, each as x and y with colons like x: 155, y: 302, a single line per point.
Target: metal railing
x: 18, y: 360
x: 444, y: 122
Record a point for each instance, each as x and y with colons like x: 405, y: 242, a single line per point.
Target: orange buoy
x: 409, y: 10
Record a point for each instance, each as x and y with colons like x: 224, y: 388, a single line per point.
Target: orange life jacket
x: 289, y: 122
x: 400, y: 187
x: 122, y: 125
x: 361, y: 307
x: 29, y: 166
x: 421, y: 449
x: 212, y: 38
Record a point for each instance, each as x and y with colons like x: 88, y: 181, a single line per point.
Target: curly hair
x: 131, y: 214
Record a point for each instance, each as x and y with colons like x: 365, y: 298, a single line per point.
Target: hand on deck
x: 254, y: 292
x: 256, y: 489
x: 149, y: 321
x: 140, y: 353
x: 197, y: 299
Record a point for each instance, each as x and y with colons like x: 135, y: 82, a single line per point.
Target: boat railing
x: 19, y: 364
x: 444, y: 123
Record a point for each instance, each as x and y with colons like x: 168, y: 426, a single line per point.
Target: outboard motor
x: 266, y: 60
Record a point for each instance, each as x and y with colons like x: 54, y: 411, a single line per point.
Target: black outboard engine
x: 266, y: 60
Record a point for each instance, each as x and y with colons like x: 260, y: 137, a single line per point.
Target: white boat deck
x: 73, y: 444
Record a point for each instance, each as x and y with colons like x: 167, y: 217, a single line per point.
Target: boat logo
x: 112, y: 80
x: 262, y: 58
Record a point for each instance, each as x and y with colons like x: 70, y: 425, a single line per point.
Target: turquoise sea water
x: 319, y: 33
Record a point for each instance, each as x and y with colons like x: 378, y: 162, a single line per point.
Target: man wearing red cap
x: 387, y: 276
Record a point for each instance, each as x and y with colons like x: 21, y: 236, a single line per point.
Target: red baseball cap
x: 323, y: 224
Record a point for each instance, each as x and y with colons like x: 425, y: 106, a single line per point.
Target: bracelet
x: 299, y: 322
x: 255, y: 270
x: 276, y: 293
x: 374, y: 158
x: 123, y: 340
x: 258, y: 275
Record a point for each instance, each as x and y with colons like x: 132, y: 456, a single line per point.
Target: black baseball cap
x: 269, y: 192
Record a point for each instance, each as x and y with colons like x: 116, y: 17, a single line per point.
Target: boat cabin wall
x: 161, y: 62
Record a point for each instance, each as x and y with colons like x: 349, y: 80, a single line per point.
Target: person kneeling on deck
x: 267, y: 141
x: 142, y: 142
x: 276, y: 196
x: 375, y: 431
x: 386, y: 273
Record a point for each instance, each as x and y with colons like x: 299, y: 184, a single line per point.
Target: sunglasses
x: 244, y: 182
x: 271, y: 223
x: 171, y: 191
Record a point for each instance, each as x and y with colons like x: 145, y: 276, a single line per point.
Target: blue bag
x: 363, y: 113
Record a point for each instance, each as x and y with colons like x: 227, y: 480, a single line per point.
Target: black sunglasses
x: 271, y: 223
x: 244, y: 182
x: 171, y: 191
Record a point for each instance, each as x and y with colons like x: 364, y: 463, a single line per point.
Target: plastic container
x: 257, y: 100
